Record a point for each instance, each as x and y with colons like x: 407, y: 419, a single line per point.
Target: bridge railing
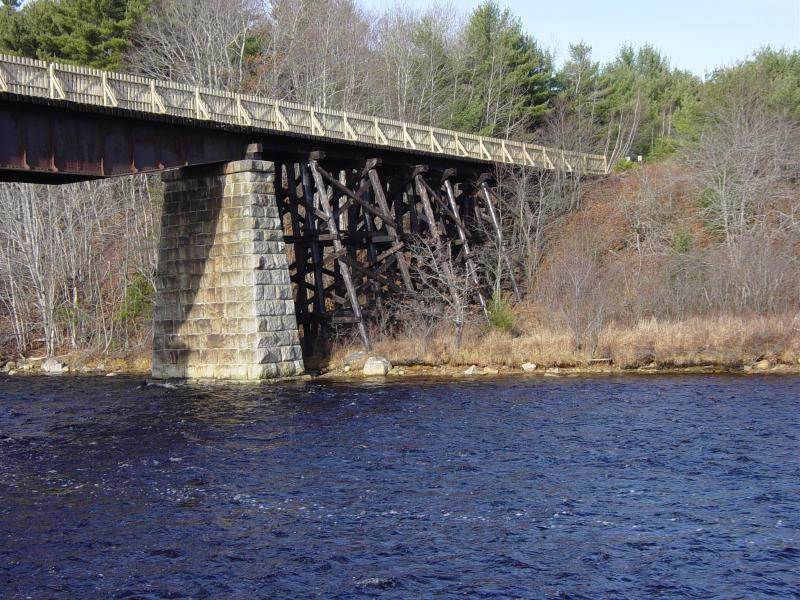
x: 29, y: 77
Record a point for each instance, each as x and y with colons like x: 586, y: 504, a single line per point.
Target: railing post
x: 281, y: 119
x: 51, y: 79
x: 244, y: 116
x: 201, y: 111
x: 56, y: 91
x: 349, y: 128
x: 152, y: 96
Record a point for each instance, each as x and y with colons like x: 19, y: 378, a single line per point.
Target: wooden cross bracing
x: 351, y: 228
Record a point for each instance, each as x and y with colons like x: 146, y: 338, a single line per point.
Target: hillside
x: 636, y: 278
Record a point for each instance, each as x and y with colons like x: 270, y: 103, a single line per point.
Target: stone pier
x: 224, y: 307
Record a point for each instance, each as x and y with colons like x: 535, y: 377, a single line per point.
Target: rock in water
x: 52, y: 367
x: 377, y: 365
x: 473, y: 370
x: 529, y: 367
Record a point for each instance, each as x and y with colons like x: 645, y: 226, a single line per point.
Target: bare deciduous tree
x: 743, y: 154
x: 67, y: 257
x: 446, y: 289
x: 199, y: 43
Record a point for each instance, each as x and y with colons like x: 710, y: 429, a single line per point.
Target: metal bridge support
x: 224, y: 304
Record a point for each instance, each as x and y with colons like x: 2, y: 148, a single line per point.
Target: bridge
x: 280, y: 220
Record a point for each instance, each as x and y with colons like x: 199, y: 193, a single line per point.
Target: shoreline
x: 418, y: 371
x: 451, y: 372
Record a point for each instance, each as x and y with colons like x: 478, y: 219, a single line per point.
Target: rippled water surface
x: 572, y: 488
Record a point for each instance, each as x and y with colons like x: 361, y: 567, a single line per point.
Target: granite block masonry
x: 224, y: 307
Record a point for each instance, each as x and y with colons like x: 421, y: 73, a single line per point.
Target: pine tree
x: 94, y: 33
x: 506, y: 80
x: 8, y: 10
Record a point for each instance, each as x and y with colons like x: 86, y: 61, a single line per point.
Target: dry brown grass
x: 724, y: 341
x: 721, y: 340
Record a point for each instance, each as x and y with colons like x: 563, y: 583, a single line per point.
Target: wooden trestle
x: 349, y: 229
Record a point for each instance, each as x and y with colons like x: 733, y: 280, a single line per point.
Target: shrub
x: 138, y: 302
x: 499, y: 313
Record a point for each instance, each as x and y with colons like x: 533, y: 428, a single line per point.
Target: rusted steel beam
x: 59, y: 142
x: 40, y: 144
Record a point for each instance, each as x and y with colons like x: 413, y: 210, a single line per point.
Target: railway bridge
x: 280, y: 220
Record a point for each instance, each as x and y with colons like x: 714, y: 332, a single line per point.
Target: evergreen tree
x: 574, y: 120
x: 93, y: 33
x: 8, y: 18
x: 579, y: 77
x: 774, y: 74
x: 505, y: 80
x: 643, y: 78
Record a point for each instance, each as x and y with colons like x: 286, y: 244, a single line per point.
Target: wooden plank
x: 316, y: 248
x: 439, y: 201
x: 364, y: 192
x: 344, y: 268
x: 371, y: 274
x: 422, y: 193
x: 380, y: 198
x: 335, y: 183
x: 301, y: 252
x: 462, y: 234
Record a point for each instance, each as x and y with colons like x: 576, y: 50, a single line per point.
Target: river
x: 617, y: 487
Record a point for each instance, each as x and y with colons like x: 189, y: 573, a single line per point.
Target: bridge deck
x: 24, y: 77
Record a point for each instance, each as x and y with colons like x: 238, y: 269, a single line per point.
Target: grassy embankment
x: 641, y: 277
x: 723, y: 343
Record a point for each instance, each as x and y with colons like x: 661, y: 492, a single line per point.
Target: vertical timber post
x: 462, y: 235
x: 333, y: 228
x: 380, y: 198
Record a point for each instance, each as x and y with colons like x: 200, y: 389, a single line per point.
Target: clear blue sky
x: 696, y: 34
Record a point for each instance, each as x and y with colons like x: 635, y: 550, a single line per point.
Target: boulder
x: 491, y: 371
x: 529, y: 367
x: 10, y: 366
x: 473, y: 370
x: 763, y: 365
x: 377, y: 365
x: 346, y: 368
x: 53, y: 367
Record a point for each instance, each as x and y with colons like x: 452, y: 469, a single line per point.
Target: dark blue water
x: 558, y: 488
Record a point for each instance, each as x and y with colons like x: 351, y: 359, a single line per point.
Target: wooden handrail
x: 29, y: 77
